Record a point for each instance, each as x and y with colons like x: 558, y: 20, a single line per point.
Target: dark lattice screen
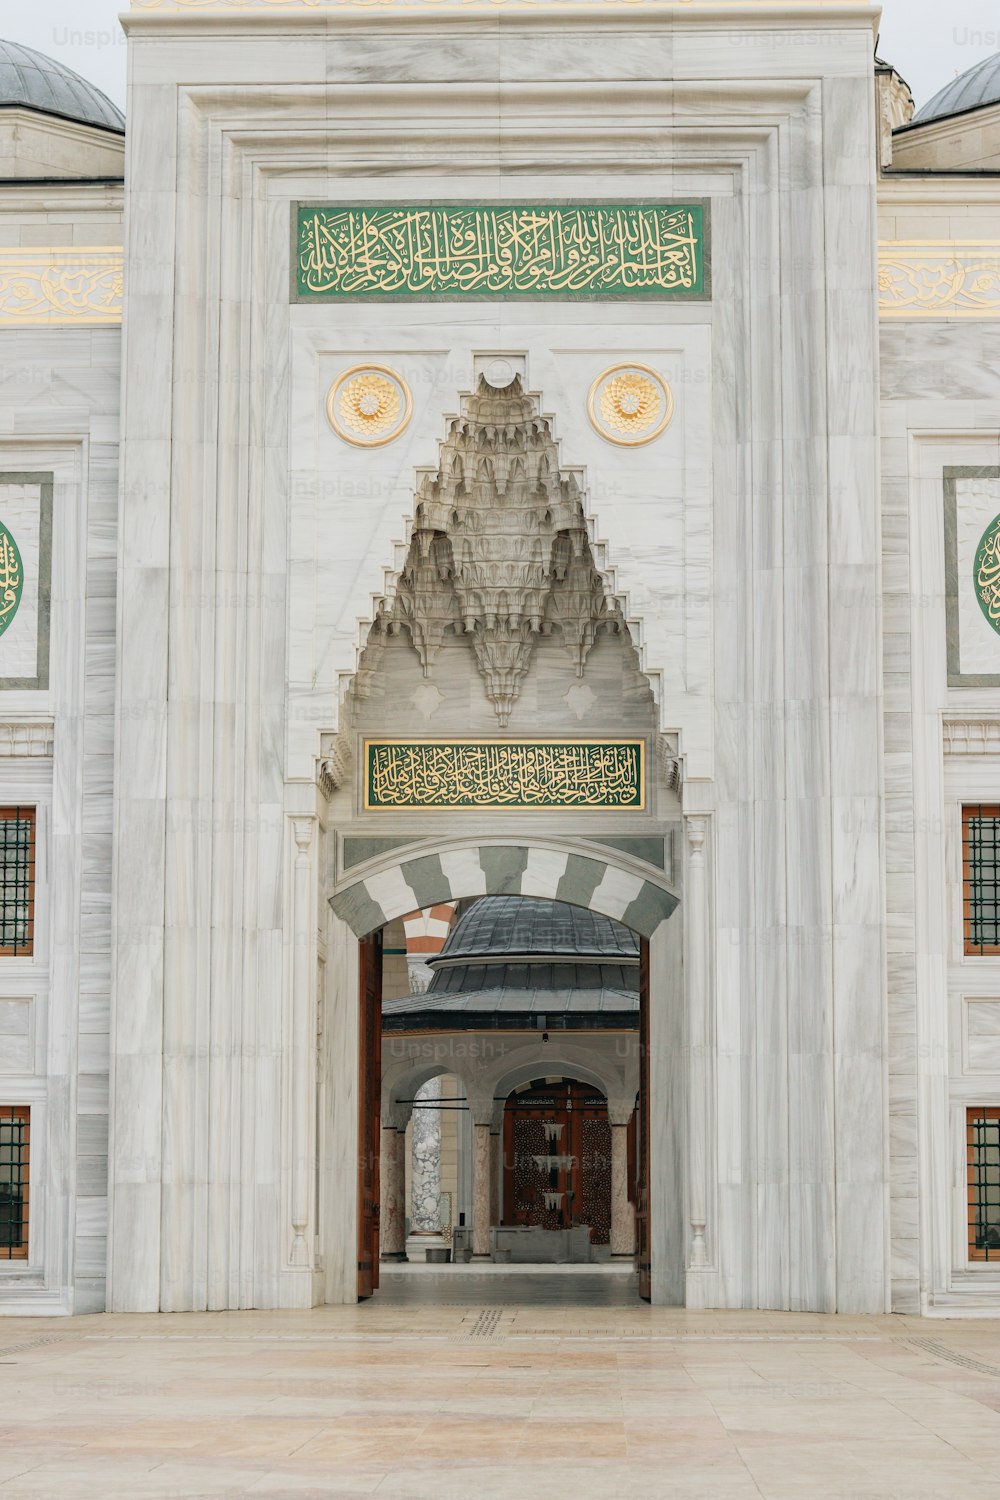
x: 17, y: 880
x: 14, y: 1134
x: 983, y: 1136
x: 595, y: 1169
x: 981, y: 869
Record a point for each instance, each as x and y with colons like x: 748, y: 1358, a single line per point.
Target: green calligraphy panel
x: 987, y: 573
x: 407, y: 775
x: 400, y: 251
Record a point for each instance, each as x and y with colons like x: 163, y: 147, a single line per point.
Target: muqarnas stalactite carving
x: 499, y: 550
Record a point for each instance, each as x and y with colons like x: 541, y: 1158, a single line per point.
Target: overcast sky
x: 929, y: 41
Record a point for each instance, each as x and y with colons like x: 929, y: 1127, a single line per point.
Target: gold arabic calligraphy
x: 11, y: 578
x: 988, y: 573
x: 573, y: 773
x: 500, y: 250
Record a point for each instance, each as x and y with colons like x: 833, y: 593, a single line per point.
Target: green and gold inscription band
x: 407, y: 775
x: 401, y: 251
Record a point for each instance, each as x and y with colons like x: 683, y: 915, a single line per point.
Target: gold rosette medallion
x: 369, y: 405
x: 630, y: 405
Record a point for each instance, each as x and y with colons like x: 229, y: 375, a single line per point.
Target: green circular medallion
x: 986, y: 573
x: 11, y: 578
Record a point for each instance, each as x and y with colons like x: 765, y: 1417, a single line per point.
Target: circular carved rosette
x: 630, y: 405
x: 11, y: 578
x: 369, y: 405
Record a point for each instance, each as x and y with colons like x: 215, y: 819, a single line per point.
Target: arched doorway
x: 612, y: 886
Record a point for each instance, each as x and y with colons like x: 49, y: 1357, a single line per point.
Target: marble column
x: 425, y: 1183
x: 622, y: 1218
x: 696, y: 903
x: 496, y: 1176
x: 481, y: 1193
x: 393, y: 1193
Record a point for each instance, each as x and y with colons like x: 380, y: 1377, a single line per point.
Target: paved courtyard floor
x: 450, y: 1384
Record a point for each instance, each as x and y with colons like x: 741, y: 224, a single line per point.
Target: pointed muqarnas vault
x: 499, y: 551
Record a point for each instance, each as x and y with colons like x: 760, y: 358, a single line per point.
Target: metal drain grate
x: 486, y: 1328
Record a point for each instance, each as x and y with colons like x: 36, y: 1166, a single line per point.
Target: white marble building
x: 753, y: 464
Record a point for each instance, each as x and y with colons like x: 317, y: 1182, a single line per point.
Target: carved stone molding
x: 499, y: 552
x: 335, y: 764
x: 34, y: 740
x: 670, y: 763
x: 972, y: 736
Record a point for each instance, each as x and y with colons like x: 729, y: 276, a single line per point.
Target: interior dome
x: 30, y: 80
x: 978, y: 86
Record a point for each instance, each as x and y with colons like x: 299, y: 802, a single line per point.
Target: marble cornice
x: 58, y: 284
x: 23, y: 740
x: 972, y: 736
x: 771, y: 11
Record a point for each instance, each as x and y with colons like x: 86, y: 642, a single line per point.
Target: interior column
x: 482, y: 1156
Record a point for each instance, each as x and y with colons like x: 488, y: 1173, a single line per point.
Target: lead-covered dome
x: 30, y: 80
x: 505, y: 927
x: 521, y: 961
x: 973, y: 89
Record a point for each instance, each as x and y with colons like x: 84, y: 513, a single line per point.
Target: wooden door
x: 369, y: 1112
x: 642, y: 1231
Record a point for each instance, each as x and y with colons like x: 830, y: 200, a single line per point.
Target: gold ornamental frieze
x: 519, y: 775
x: 939, y: 279
x: 59, y: 284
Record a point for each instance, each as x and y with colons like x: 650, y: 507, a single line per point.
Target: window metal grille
x: 15, y: 1130
x: 981, y: 878
x: 17, y: 881
x: 983, y: 1144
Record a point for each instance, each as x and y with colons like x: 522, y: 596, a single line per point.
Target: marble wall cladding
x: 743, y: 543
x: 982, y: 1030
x: 931, y: 424
x: 59, y: 415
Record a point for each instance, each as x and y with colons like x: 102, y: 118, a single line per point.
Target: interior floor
x: 493, y: 1286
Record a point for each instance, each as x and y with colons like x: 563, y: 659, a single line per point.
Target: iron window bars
x: 981, y: 879
x: 17, y: 882
x: 983, y: 1147
x: 15, y: 1132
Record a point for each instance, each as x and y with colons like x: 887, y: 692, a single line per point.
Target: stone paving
x: 500, y: 1386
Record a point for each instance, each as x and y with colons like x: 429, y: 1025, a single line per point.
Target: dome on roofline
x: 30, y: 80
x: 973, y: 89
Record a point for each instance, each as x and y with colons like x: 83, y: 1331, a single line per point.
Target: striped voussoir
x: 504, y: 870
